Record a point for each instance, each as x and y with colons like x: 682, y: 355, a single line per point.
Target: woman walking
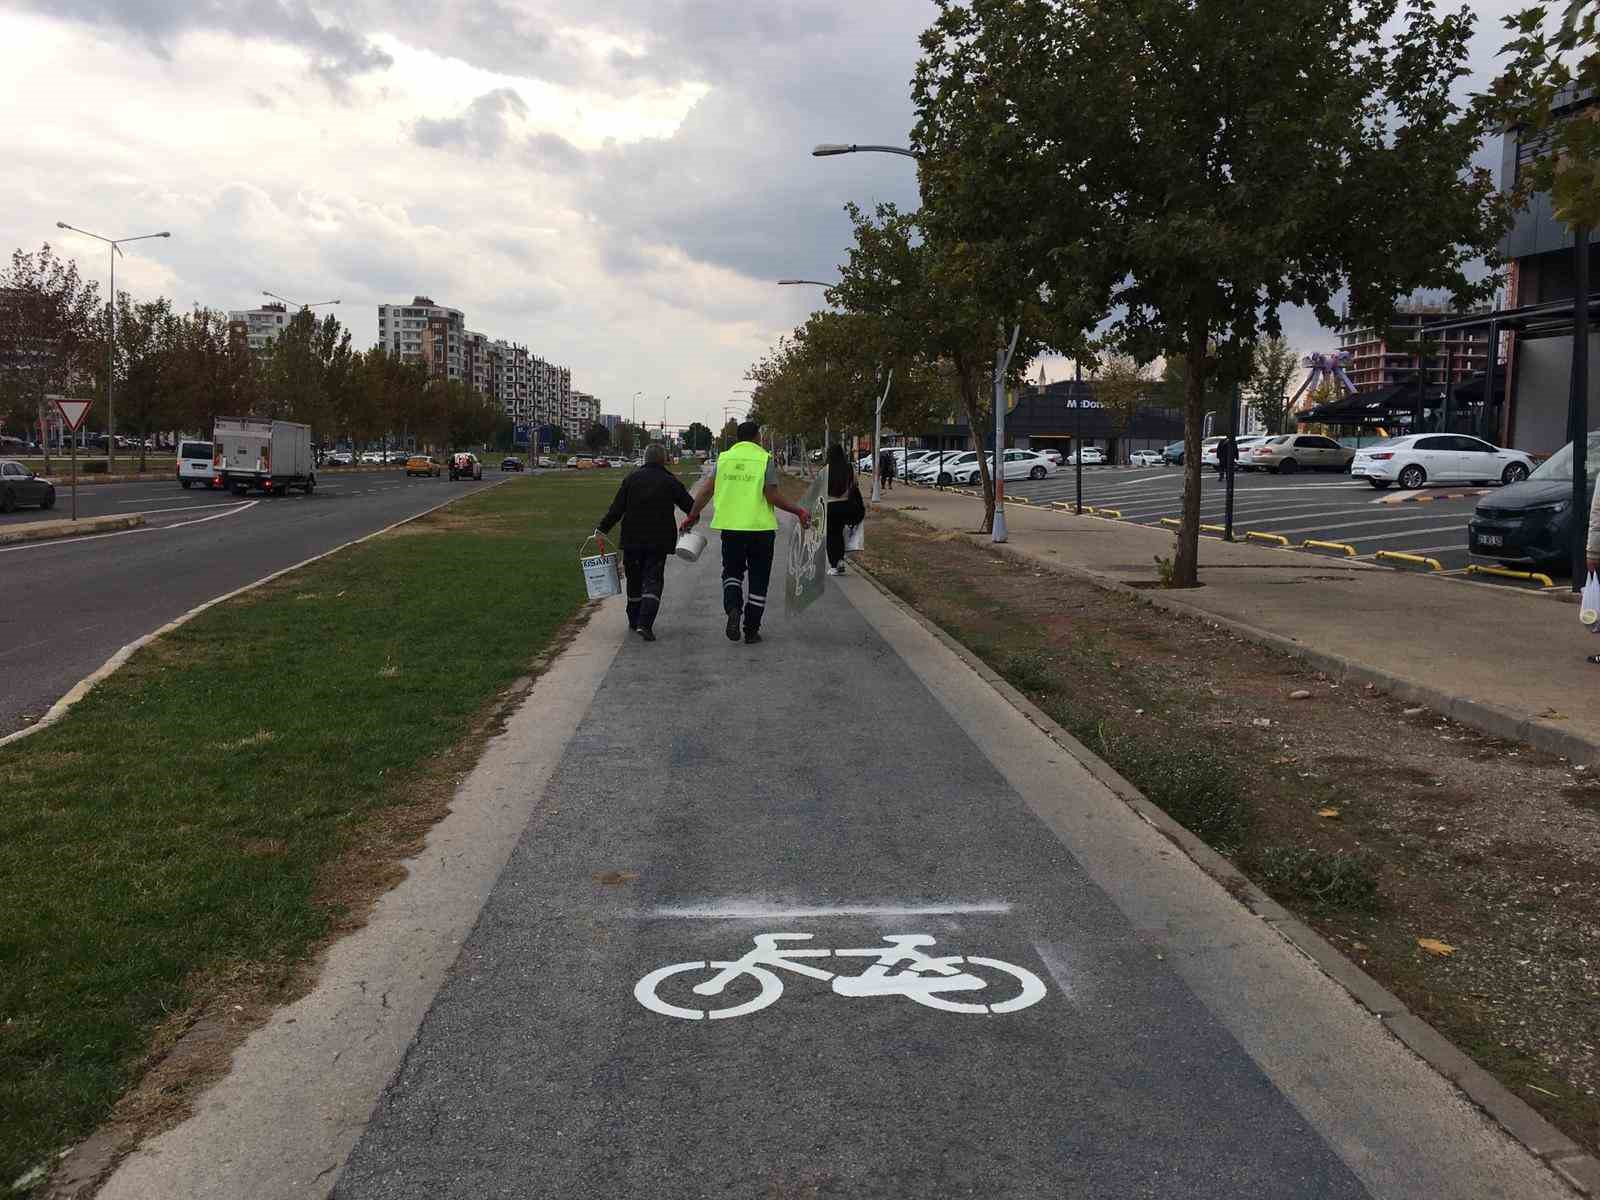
x: 845, y: 506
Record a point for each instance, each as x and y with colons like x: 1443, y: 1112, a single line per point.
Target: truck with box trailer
x: 251, y: 453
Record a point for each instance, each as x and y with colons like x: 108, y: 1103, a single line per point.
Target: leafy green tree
x: 48, y: 315
x: 1122, y: 385
x: 1273, y: 364
x: 597, y: 437
x: 1190, y: 168
x: 146, y: 361
x: 698, y: 437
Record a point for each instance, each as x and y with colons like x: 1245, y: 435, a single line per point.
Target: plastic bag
x: 855, y: 537
x: 1589, y: 604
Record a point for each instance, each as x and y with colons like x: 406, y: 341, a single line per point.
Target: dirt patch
x: 1376, y: 827
x: 194, y: 1048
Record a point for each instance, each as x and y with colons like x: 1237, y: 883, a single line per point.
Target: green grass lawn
x: 178, y: 824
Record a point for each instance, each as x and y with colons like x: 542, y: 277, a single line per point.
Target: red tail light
x: 1385, y: 455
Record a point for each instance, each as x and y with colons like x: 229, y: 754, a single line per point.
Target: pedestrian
x: 742, y: 486
x: 845, y: 506
x: 1592, y: 551
x: 886, y: 469
x: 645, y: 504
x: 1227, y: 451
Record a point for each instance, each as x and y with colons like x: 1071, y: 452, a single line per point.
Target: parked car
x: 1019, y: 464
x: 546, y: 461
x: 18, y: 485
x: 195, y: 465
x: 1146, y: 458
x: 1054, y: 456
x: 1172, y: 454
x: 1091, y: 456
x: 1423, y: 458
x: 1208, y: 456
x: 512, y: 464
x: 339, y: 458
x: 1291, y: 452
x: 422, y: 464
x: 465, y: 466
x: 942, y: 469
x: 1530, y: 523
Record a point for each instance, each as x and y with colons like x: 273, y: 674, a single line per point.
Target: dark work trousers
x: 836, y: 509
x: 646, y: 567
x: 747, y: 551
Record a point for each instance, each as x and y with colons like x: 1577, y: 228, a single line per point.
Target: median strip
x: 39, y: 531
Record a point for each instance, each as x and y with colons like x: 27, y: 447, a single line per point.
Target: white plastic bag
x: 1589, y: 604
x: 855, y: 537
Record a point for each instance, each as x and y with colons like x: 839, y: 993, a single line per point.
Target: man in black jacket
x: 644, y: 504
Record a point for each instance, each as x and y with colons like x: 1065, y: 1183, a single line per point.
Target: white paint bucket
x: 690, y: 545
x: 599, y: 572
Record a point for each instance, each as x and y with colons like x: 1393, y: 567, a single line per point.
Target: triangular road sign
x: 72, y: 411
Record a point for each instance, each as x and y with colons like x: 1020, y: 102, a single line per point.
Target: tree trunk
x: 969, y: 401
x: 1186, y: 560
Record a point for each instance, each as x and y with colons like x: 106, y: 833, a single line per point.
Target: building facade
x: 1381, y: 358
x: 581, y: 412
x: 425, y: 332
x: 259, y: 327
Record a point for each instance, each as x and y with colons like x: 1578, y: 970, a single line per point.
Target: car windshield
x: 195, y: 450
x: 1559, y: 465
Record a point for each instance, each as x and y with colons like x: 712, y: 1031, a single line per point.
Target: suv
x: 465, y: 466
x: 194, y: 465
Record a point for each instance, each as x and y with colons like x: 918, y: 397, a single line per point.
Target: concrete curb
x: 113, y: 664
x: 1544, y: 1141
x: 1476, y: 714
x: 40, y: 531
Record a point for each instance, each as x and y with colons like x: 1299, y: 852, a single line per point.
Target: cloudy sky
x: 617, y: 183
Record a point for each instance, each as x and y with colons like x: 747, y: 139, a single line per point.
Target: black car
x: 18, y: 485
x: 513, y: 464
x: 1530, y: 523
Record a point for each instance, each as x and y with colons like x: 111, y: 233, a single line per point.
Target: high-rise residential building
x: 1380, y: 358
x: 259, y: 327
x: 477, y: 363
x: 580, y: 412
x: 425, y: 332
x: 552, y: 395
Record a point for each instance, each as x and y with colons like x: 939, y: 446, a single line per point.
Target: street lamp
x: 297, y: 304
x: 792, y: 282
x: 116, y: 245
x: 830, y: 149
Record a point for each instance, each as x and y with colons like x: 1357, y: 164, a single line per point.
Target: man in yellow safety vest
x: 742, y: 486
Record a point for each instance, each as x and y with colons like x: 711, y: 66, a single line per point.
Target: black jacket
x: 644, y: 505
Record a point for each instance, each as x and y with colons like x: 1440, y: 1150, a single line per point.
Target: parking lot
x: 1303, y: 507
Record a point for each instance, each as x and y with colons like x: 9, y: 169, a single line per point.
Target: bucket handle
x: 598, y: 538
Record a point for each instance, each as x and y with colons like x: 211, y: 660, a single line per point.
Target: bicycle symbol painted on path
x: 901, y: 970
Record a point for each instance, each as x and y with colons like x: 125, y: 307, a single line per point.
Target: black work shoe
x: 751, y: 637
x: 733, y: 627
x: 647, y: 634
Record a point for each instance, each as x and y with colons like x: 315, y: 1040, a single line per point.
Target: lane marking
x: 1389, y: 537
x: 756, y: 910
x: 1334, y: 526
x: 147, y: 512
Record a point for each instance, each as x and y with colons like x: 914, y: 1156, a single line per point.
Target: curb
x: 1544, y: 1141
x: 1477, y: 714
x: 40, y: 531
x: 113, y: 664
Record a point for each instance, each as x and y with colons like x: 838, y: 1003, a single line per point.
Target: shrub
x: 1324, y: 880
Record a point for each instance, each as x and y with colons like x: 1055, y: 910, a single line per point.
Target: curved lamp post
x: 830, y: 149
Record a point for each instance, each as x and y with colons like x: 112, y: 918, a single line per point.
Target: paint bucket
x: 599, y: 571
x: 690, y: 545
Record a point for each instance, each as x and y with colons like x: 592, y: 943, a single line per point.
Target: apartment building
x: 552, y: 396
x: 260, y: 327
x: 580, y: 413
x: 425, y: 332
x: 1380, y: 358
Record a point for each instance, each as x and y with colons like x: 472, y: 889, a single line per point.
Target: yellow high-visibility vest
x: 740, y: 501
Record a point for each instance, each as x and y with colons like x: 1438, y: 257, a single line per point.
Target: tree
x: 145, y: 359
x: 47, y: 319
x: 1191, y: 168
x: 697, y: 437
x: 730, y: 434
x: 598, y: 437
x: 1273, y: 364
x: 1122, y: 386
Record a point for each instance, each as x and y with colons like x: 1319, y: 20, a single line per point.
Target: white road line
x: 95, y: 537
x: 743, y: 910
x: 1389, y: 537
x: 146, y: 512
x: 1335, y: 526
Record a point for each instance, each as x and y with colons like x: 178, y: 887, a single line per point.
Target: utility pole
x: 1077, y: 427
x: 1002, y: 361
x: 877, y: 437
x: 1232, y: 443
x: 1578, y: 404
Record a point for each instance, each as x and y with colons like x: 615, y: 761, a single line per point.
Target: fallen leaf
x: 615, y: 877
x: 1327, y: 812
x: 1435, y: 946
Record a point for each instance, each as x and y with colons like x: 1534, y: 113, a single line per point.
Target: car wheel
x: 187, y: 483
x: 1412, y: 477
x: 944, y: 479
x: 1036, y: 473
x: 1515, y: 473
x: 1288, y: 467
x: 311, y: 484
x: 49, y: 500
x: 1380, y: 484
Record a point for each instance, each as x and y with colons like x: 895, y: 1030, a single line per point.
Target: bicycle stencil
x: 900, y: 969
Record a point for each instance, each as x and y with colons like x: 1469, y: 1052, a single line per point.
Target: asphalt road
x: 830, y: 789
x: 71, y: 604
x: 1308, y: 506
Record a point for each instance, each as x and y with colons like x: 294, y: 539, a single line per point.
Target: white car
x: 942, y: 469
x: 1053, y: 455
x: 1091, y: 456
x: 1208, y: 456
x: 1020, y: 464
x: 1146, y: 458
x: 1423, y: 458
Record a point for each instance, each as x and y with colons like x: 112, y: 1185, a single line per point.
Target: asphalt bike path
x: 73, y: 602
x: 798, y: 919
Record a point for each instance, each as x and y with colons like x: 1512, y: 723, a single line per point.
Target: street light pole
x: 1077, y: 428
x: 1002, y: 361
x: 1578, y: 404
x: 116, y: 245
x: 830, y: 149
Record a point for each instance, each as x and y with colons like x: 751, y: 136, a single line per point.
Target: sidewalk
x: 1508, y: 662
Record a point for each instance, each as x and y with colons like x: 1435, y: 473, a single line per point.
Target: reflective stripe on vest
x: 740, y: 502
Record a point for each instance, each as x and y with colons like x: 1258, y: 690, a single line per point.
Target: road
x: 1302, y: 507
x: 71, y: 604
x: 1113, y: 1023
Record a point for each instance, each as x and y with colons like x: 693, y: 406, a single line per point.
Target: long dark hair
x: 839, y: 473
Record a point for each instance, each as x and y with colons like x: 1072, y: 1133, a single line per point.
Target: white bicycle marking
x: 920, y: 977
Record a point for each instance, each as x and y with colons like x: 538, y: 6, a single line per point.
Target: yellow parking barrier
x: 1276, y: 539
x: 1506, y: 573
x: 1170, y: 522
x: 1402, y: 556
x: 1107, y: 512
x: 1018, y: 500
x: 1213, y: 529
x: 1314, y: 544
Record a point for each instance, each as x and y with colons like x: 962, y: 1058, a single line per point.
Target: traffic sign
x: 72, y: 411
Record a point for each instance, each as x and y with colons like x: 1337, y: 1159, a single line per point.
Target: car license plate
x: 1491, y: 539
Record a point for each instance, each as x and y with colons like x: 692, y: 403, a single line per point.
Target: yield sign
x: 72, y: 411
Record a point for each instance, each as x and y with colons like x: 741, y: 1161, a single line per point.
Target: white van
x: 194, y: 465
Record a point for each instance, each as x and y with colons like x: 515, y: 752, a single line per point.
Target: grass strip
x: 179, y: 823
